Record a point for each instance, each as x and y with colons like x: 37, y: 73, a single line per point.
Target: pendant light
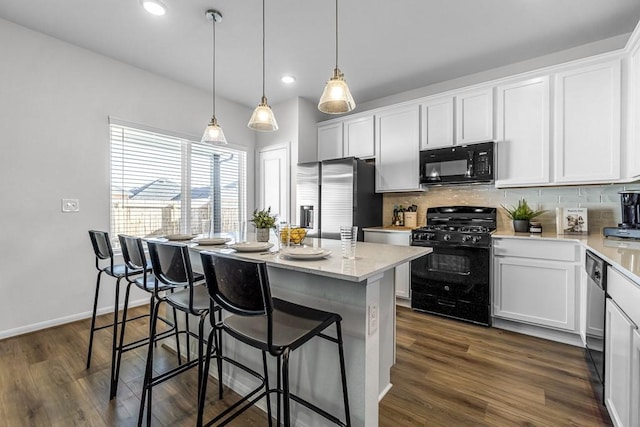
x: 213, y: 133
x: 336, y: 97
x: 262, y: 118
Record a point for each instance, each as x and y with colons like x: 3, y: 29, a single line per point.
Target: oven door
x: 452, y: 281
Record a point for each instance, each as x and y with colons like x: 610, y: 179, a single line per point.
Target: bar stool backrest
x: 238, y: 286
x: 133, y: 256
x: 172, y: 266
x: 101, y: 246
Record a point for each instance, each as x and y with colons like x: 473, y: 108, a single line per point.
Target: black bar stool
x: 103, y: 251
x: 172, y: 268
x: 135, y: 260
x: 272, y: 325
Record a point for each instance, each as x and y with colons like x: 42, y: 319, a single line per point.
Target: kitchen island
x: 362, y: 291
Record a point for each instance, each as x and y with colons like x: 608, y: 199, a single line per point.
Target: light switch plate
x: 70, y: 205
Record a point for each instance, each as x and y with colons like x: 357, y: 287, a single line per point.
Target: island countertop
x: 371, y: 258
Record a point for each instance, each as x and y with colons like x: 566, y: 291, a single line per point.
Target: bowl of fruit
x: 292, y: 235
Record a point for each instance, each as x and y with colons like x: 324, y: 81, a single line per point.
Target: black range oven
x: 453, y: 280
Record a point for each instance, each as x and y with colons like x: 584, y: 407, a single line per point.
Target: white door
x: 330, y: 141
x: 274, y: 180
x: 474, y: 116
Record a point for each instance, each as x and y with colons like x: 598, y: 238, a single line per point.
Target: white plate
x: 212, y: 240
x: 251, y: 246
x: 302, y: 250
x: 178, y: 237
x: 302, y: 256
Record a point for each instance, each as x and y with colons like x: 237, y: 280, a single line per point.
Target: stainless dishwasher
x: 596, y: 292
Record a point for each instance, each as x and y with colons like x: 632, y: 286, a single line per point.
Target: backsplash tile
x: 602, y: 201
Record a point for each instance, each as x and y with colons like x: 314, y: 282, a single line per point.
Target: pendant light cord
x: 213, y: 78
x: 263, y: 44
x: 336, y: 34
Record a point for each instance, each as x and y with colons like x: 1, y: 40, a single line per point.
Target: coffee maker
x: 630, y: 225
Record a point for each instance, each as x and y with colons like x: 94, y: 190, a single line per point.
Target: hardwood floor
x: 448, y: 373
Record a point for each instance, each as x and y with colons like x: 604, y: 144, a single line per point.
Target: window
x: 162, y: 183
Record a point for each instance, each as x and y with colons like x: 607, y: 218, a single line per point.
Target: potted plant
x: 521, y: 215
x: 264, y: 221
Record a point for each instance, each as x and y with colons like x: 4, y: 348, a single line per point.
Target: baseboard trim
x: 63, y: 320
x: 540, y: 332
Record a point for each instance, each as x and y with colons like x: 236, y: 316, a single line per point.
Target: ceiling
x: 385, y: 47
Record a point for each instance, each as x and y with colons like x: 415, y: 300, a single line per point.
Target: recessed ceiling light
x: 154, y: 7
x: 288, y: 79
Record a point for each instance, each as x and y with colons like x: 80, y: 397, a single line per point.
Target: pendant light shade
x: 336, y: 97
x: 262, y: 118
x: 213, y: 134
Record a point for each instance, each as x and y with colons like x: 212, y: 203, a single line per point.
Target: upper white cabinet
x: 633, y: 140
x: 437, y: 123
x: 523, y: 134
x: 587, y: 124
x: 474, y: 116
x: 358, y: 137
x: 330, y: 141
x: 397, y: 147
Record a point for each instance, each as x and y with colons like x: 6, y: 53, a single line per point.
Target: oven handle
x: 447, y: 303
x: 435, y: 270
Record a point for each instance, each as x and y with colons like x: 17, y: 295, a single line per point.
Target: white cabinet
x: 618, y: 347
x: 436, y: 123
x: 523, y: 133
x: 536, y: 282
x: 397, y: 147
x: 587, y: 124
x: 358, y: 137
x: 474, y: 116
x: 635, y: 379
x: 402, y: 272
x: 330, y: 141
x: 632, y: 154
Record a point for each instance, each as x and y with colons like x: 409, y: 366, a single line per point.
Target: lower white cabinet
x: 402, y: 272
x: 618, y: 355
x: 622, y: 350
x: 536, y: 282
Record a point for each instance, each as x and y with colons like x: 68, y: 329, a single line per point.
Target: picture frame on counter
x: 571, y: 221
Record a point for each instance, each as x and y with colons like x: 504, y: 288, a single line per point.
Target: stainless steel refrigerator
x: 337, y: 192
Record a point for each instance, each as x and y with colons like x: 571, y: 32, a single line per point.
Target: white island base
x: 362, y: 292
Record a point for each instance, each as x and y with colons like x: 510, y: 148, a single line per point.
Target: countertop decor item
x: 264, y: 221
x: 521, y: 215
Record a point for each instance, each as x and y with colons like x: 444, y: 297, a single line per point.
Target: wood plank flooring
x: 448, y: 373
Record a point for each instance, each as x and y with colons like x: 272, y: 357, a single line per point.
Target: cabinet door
x: 402, y: 272
x: 330, y: 141
x: 358, y: 137
x: 535, y: 291
x: 633, y: 142
x: 436, y: 123
x: 617, y: 371
x: 587, y: 124
x: 635, y: 380
x: 474, y: 116
x: 523, y: 133
x: 397, y: 147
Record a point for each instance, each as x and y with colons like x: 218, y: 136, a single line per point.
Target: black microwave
x: 460, y: 164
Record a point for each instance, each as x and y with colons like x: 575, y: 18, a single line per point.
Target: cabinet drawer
x: 539, y: 249
x: 625, y: 293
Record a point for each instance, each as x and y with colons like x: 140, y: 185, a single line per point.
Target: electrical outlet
x: 373, y: 318
x: 70, y: 205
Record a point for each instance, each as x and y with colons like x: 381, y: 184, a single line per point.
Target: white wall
x: 55, y: 101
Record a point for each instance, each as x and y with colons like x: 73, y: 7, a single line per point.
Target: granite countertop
x: 624, y: 255
x: 371, y: 258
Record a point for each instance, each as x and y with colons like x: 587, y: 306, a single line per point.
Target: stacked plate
x: 304, y: 252
x: 179, y: 237
x: 209, y: 241
x: 251, y: 246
